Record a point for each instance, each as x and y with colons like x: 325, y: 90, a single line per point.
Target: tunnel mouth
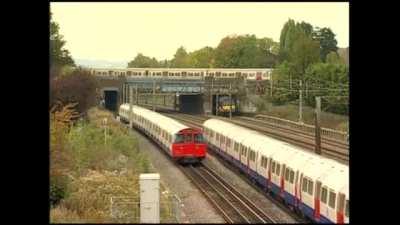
x: 111, y: 100
x: 191, y: 104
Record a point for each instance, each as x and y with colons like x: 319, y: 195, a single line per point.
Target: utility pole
x: 270, y: 82
x: 105, y: 131
x: 301, y: 103
x: 318, y: 125
x: 154, y: 95
x: 230, y: 100
x: 130, y: 106
x: 216, y: 104
x: 136, y: 95
x: 211, y: 93
x: 306, y: 89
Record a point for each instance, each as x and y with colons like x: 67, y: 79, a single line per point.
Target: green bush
x: 58, y: 189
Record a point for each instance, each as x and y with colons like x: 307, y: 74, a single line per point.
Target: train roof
x: 170, y: 125
x: 178, y: 69
x: 330, y: 172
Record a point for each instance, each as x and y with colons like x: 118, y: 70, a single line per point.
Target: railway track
x: 330, y: 148
x: 259, y: 189
x: 233, y: 206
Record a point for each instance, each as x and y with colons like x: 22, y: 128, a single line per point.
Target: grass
x: 291, y: 112
x: 98, y: 171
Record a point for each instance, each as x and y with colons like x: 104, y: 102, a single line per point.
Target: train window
x: 231, y: 74
x: 179, y: 138
x: 211, y: 74
x: 236, y: 147
x: 196, y: 74
x: 264, y: 161
x: 291, y: 176
x: 347, y: 208
x: 198, y: 138
x: 273, y: 166
x: 278, y: 169
x: 217, y: 136
x: 310, y: 187
x: 341, y: 202
x: 324, y: 194
x: 332, y: 199
x: 287, y: 174
x: 170, y: 74
x: 139, y: 73
x: 252, y: 156
x: 305, y: 182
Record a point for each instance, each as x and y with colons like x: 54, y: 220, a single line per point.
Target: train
x: 182, y: 143
x: 250, y: 74
x: 313, y: 186
x: 225, y: 105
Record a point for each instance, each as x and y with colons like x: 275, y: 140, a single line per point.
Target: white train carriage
x: 334, y: 197
x: 302, y: 179
x: 181, y: 142
x: 185, y: 73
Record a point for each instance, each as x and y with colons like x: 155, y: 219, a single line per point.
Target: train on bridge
x: 252, y: 74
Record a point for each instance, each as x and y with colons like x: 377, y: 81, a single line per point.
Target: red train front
x: 189, y: 146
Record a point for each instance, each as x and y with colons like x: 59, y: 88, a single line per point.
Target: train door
x: 307, y: 191
x: 289, y: 177
x: 323, y: 205
x: 243, y: 157
x: 317, y: 202
x: 347, y: 211
x: 276, y: 169
x: 340, y: 208
x: 282, y: 179
x: 331, y: 209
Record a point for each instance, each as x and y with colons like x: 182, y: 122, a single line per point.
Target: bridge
x: 183, y: 89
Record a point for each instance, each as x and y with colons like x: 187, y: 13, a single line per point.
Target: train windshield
x: 179, y: 138
x: 188, y: 138
x: 183, y: 138
x: 198, y: 138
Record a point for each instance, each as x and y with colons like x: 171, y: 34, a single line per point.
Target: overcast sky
x: 118, y: 31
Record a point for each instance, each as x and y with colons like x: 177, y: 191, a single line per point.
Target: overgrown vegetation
x: 96, y: 170
x: 87, y: 167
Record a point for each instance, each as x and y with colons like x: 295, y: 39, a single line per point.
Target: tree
x: 78, y: 87
x: 305, y: 52
x: 181, y: 58
x: 245, y: 51
x: 202, y: 58
x: 327, y: 41
x: 290, y: 34
x: 331, y: 80
x: 334, y: 58
x: 141, y: 61
x: 59, y: 56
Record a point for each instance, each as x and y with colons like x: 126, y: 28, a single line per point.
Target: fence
x: 127, y: 210
x: 330, y: 133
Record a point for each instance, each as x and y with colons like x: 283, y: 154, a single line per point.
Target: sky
x: 119, y: 31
